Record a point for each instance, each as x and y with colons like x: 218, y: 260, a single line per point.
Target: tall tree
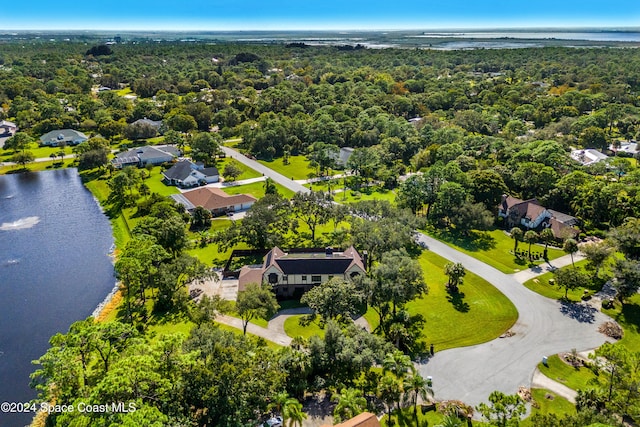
x: 530, y: 237
x: 455, y: 272
x: 204, y: 147
x: 569, y: 278
x: 627, y: 274
x: 256, y: 301
x: 336, y: 298
x: 516, y: 235
x: 570, y: 246
x: 597, y: 254
x: 313, y: 208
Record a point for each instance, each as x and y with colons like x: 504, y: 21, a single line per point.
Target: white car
x: 273, y: 422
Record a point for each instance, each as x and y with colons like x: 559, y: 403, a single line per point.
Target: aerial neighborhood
x: 318, y: 234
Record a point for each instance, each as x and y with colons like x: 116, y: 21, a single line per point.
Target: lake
x: 54, y: 269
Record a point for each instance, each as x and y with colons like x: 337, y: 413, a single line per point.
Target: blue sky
x: 217, y: 15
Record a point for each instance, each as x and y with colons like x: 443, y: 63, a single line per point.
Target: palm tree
x: 455, y: 272
x: 279, y: 401
x: 418, y: 387
x: 398, y: 363
x: 530, y: 237
x: 53, y: 156
x: 547, y: 236
x: 450, y: 420
x: 571, y: 247
x: 389, y: 391
x: 292, y: 412
x: 350, y: 404
x: 516, y: 234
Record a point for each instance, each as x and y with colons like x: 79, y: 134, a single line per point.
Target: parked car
x: 273, y: 422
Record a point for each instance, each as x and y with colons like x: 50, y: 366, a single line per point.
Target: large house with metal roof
x: 294, y: 272
x: 59, y: 137
x: 146, y: 155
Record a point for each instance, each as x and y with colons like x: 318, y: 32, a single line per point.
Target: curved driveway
x: 544, y: 327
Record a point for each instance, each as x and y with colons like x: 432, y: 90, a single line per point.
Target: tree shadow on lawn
x: 631, y: 313
x: 457, y: 300
x: 580, y: 312
x: 473, y: 241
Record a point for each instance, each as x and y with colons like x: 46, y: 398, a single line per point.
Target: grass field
x: 576, y: 379
x: 370, y: 193
x: 479, y: 313
x: 548, y: 403
x: 294, y: 328
x: 247, y: 172
x: 38, y: 152
x: 256, y: 189
x: 298, y: 167
x: 36, y: 166
x: 492, y: 247
x: 542, y: 286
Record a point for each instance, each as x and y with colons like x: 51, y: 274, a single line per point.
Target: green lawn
x: 576, y: 379
x: 294, y: 328
x: 370, y: 193
x: 478, y: 314
x: 542, y: 286
x: 492, y: 247
x: 298, y: 167
x: 247, y: 172
x: 548, y: 403
x: 37, y: 166
x: 38, y: 152
x: 628, y: 317
x: 155, y: 184
x: 256, y: 189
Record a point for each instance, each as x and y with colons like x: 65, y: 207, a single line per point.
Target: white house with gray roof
x: 188, y: 174
x: 62, y: 137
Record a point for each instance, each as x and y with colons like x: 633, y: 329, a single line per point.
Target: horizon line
x: 345, y: 29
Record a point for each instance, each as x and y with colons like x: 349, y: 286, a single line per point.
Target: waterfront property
x: 186, y: 173
x: 60, y: 137
x: 147, y: 155
x: 295, y: 272
x: 214, y: 200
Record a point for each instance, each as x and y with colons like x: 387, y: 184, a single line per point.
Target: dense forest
x: 477, y: 124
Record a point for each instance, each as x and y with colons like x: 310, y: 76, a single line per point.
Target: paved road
x: 279, y: 178
x: 544, y: 327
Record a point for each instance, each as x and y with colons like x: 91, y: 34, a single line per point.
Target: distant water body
x: 54, y: 269
x: 596, y: 36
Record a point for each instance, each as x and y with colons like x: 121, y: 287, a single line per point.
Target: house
x: 8, y: 128
x: 142, y: 156
x: 295, y: 272
x: 185, y: 173
x: 156, y: 124
x: 343, y: 156
x: 214, y: 200
x: 588, y: 156
x: 533, y: 216
x: 365, y: 419
x: 628, y: 147
x: 62, y: 137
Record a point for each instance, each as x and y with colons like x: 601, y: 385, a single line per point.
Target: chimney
x: 328, y: 251
x: 365, y: 259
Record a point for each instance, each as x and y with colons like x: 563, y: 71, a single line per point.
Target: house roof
x: 530, y: 208
x: 62, y: 135
x: 145, y: 121
x: 147, y: 152
x: 562, y: 230
x: 588, y: 156
x: 182, y: 169
x: 313, y: 262
x: 563, y: 217
x: 214, y: 198
x: 249, y: 274
x: 365, y: 419
x: 6, y: 123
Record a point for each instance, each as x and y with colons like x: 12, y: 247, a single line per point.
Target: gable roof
x: 182, y: 169
x: 313, y: 262
x: 213, y: 198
